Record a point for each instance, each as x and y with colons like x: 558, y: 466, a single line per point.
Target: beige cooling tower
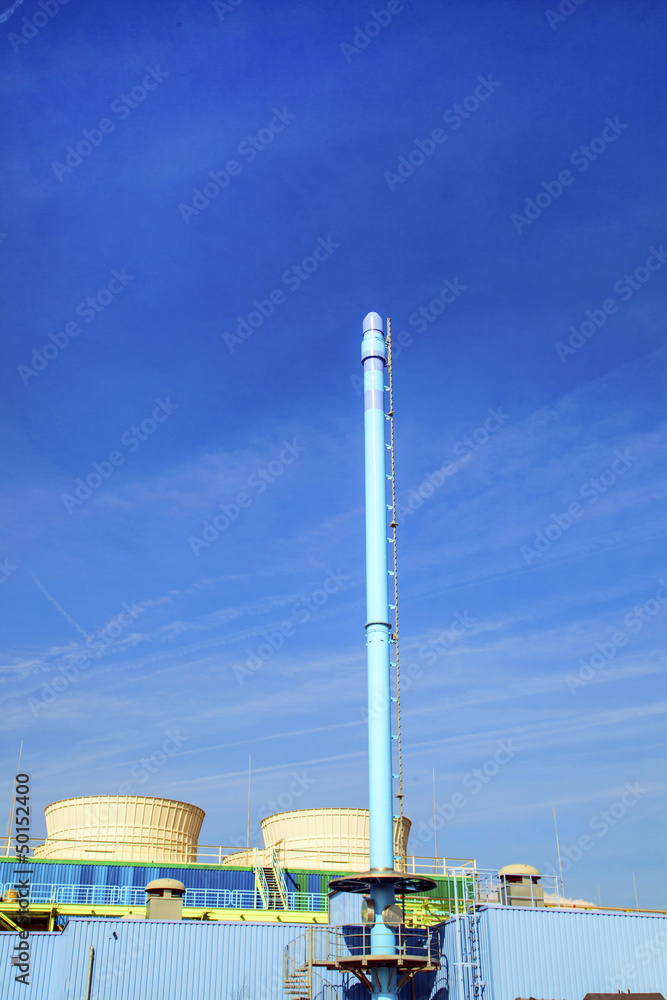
x: 121, y: 828
x: 326, y: 839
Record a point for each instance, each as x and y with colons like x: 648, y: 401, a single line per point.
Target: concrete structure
x: 122, y: 828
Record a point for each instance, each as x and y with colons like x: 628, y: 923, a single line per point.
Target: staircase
x: 275, y: 900
x: 301, y: 979
x: 298, y: 967
x: 298, y: 984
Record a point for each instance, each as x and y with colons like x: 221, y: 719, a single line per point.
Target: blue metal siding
x: 568, y: 953
x: 43, y: 948
x: 291, y: 882
x: 72, y: 873
x: 533, y: 952
x: 155, y: 960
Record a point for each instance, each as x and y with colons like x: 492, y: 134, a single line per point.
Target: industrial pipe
x: 91, y: 959
x: 378, y: 634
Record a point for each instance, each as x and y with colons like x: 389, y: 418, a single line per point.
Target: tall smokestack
x: 378, y: 629
x: 381, y: 882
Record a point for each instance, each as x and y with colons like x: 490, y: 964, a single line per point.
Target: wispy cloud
x: 10, y: 10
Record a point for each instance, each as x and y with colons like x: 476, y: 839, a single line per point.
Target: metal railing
x: 279, y: 876
x: 336, y: 946
x: 323, y: 859
x: 59, y: 894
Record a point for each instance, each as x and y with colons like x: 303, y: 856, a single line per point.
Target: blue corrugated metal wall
x: 568, y: 953
x: 152, y: 960
x: 531, y: 952
x: 562, y: 954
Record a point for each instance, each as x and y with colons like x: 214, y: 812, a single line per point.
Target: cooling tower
x: 121, y: 828
x: 326, y: 839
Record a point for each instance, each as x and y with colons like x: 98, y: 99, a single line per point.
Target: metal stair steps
x: 274, y: 888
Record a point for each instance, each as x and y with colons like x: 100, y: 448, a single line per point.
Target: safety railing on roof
x: 57, y: 894
x: 337, y: 947
x: 323, y: 859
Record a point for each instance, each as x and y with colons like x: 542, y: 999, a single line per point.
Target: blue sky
x: 491, y: 177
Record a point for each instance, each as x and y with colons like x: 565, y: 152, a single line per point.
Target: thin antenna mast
x: 435, y: 827
x: 11, y: 811
x: 560, y: 866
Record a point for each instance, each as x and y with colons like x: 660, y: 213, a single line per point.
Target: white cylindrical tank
x: 326, y: 839
x: 122, y: 828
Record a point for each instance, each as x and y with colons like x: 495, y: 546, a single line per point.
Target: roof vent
x: 519, y: 886
x: 165, y: 899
